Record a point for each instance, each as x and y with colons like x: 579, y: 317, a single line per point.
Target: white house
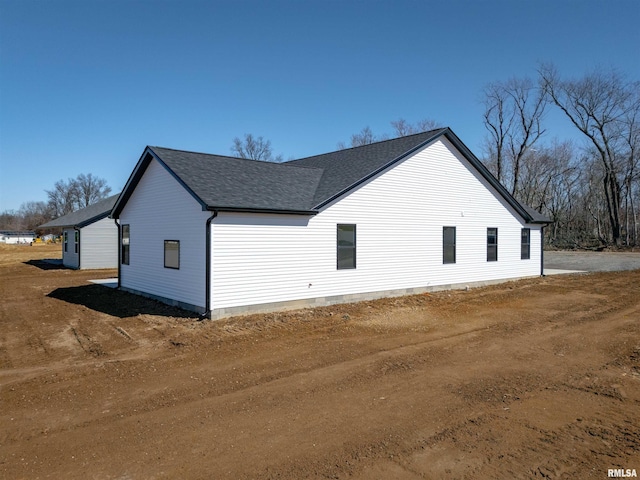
x: 222, y: 235
x: 89, y: 236
x: 16, y: 237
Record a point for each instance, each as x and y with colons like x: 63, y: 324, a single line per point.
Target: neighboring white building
x: 89, y: 236
x: 15, y: 237
x: 222, y: 235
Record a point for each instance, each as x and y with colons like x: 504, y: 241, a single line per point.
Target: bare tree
x: 631, y: 181
x: 63, y: 197
x: 403, y: 128
x: 80, y: 192
x: 513, y: 115
x: 254, y: 149
x: 90, y: 189
x: 10, y: 220
x: 600, y: 105
x: 34, y: 214
x: 363, y: 137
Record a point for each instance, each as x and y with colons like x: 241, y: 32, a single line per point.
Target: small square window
x: 172, y: 254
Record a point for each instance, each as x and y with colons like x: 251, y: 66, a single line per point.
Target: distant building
x: 89, y: 236
x: 15, y: 237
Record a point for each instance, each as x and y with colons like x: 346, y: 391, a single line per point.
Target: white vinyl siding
x: 399, y: 214
x: 99, y: 245
x: 159, y: 209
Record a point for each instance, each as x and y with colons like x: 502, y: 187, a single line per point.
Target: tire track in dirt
x: 531, y: 379
x: 400, y: 363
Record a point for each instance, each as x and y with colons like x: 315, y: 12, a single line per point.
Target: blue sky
x: 86, y: 85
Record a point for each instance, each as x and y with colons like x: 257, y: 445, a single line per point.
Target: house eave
x: 261, y: 210
x: 82, y: 224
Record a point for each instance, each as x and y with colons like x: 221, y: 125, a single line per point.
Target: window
x: 172, y: 254
x: 448, y: 244
x: 525, y: 244
x: 346, y: 246
x: 125, y: 244
x: 76, y: 239
x: 66, y: 241
x: 492, y: 244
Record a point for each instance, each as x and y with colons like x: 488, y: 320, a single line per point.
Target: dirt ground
x: 531, y: 379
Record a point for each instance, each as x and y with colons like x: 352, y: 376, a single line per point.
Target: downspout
x: 78, y: 245
x: 115, y: 220
x: 542, y: 251
x: 207, y: 280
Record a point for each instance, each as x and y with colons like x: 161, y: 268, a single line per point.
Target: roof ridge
x: 217, y: 155
x: 262, y: 162
x: 369, y: 144
x: 205, y: 153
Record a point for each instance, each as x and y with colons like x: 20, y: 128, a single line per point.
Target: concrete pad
x: 107, y: 282
x: 557, y: 271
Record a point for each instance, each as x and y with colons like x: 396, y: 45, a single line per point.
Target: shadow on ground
x: 47, y: 264
x: 117, y: 303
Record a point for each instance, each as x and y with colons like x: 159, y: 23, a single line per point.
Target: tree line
x: 65, y: 197
x: 590, y: 190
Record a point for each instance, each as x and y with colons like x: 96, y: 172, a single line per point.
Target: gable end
x: 145, y: 160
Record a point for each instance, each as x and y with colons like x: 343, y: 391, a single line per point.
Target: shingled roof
x: 85, y: 216
x: 230, y: 183
x: 300, y: 186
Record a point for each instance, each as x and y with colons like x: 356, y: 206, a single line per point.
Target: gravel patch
x: 591, y: 261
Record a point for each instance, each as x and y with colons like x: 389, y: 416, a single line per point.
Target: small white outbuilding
x: 89, y: 236
x: 16, y: 237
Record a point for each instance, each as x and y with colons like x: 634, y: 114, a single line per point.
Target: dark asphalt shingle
x: 238, y: 183
x: 84, y: 216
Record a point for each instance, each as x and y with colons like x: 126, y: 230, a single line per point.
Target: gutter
x: 542, y: 250
x: 262, y: 210
x: 76, y: 229
x: 207, y: 280
x: 115, y: 220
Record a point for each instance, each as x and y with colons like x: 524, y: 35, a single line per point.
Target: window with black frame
x: 124, y: 252
x: 172, y: 254
x: 346, y: 246
x: 492, y: 244
x: 448, y: 244
x: 525, y: 244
